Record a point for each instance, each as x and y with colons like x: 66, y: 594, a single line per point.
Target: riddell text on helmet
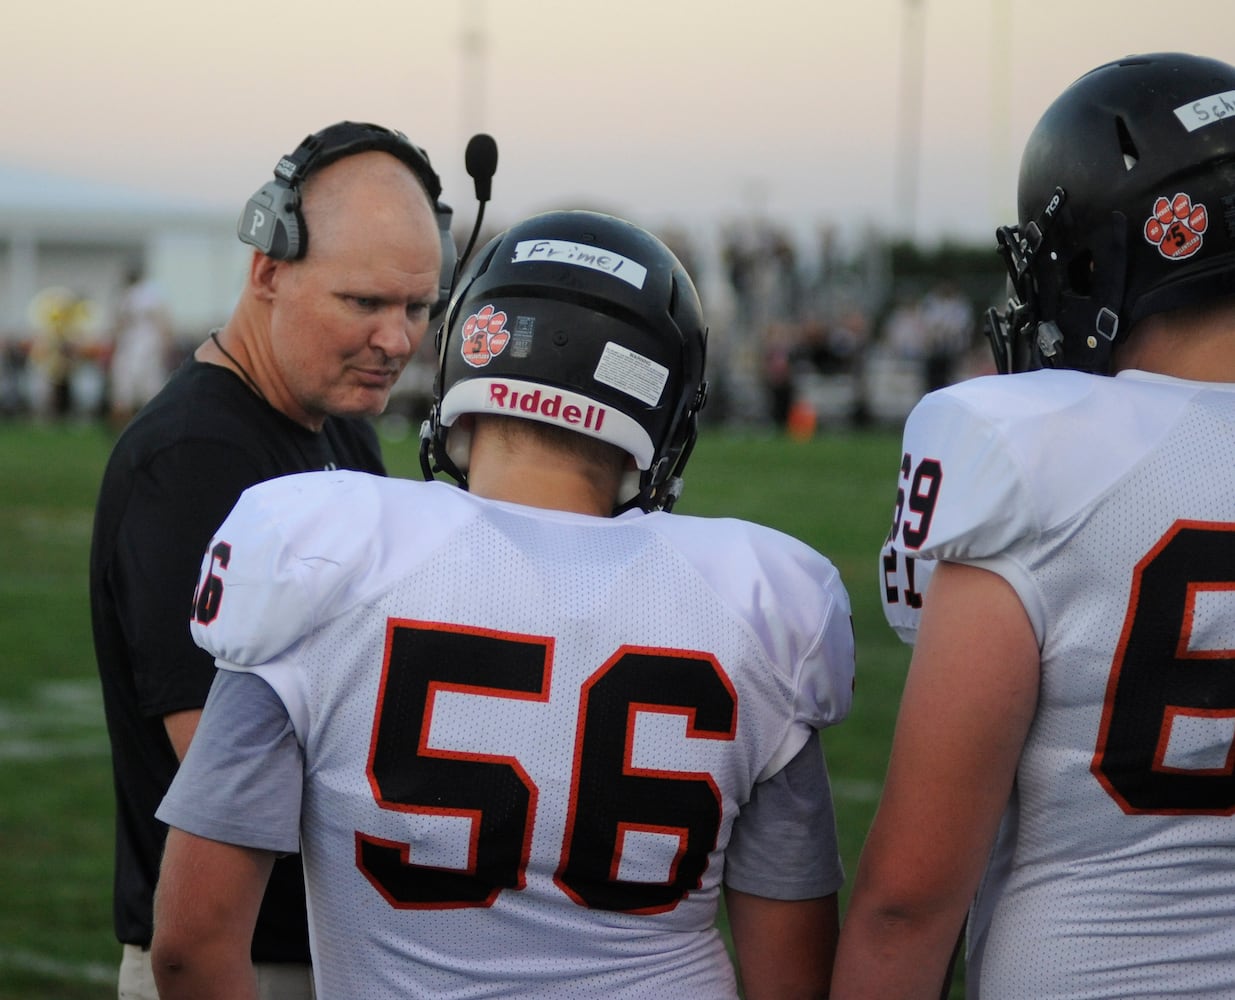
x: 550, y: 405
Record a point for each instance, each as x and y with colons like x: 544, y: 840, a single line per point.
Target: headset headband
x: 344, y: 139
x: 272, y: 220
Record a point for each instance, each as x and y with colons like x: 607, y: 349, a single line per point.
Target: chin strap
x: 427, y: 468
x: 431, y: 463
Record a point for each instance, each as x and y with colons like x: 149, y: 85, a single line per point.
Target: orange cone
x: 802, y: 421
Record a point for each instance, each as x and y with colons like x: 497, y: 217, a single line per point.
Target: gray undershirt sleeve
x: 241, y: 780
x: 783, y: 844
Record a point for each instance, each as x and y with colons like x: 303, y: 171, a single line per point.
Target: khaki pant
x: 275, y: 981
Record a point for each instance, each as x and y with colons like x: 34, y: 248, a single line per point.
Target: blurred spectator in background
x: 902, y: 328
x: 778, y: 357
x: 60, y: 318
x: 142, y: 355
x: 12, y: 375
x: 946, y: 318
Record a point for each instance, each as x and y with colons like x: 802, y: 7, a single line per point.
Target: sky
x: 902, y: 117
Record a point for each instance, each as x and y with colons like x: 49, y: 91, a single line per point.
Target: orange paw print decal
x: 484, y: 336
x: 1176, y: 226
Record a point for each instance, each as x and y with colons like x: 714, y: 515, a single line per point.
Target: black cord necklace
x: 214, y: 335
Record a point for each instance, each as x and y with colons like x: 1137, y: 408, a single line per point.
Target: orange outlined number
x: 916, y: 498
x: 612, y: 798
x: 209, y: 596
x: 1160, y: 681
x: 406, y: 774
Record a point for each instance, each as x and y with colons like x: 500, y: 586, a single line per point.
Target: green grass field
x: 55, y: 781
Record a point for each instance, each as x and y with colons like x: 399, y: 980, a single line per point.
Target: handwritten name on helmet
x: 547, y: 404
x: 581, y: 255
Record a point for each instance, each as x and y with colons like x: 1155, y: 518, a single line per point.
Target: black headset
x: 272, y: 220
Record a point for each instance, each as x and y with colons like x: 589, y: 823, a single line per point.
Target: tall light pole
x: 1003, y: 179
x: 909, y: 118
x: 474, y: 42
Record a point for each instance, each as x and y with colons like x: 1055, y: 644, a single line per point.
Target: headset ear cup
x: 271, y: 221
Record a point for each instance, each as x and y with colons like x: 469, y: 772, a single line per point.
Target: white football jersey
x: 527, y: 733
x: 1109, y: 505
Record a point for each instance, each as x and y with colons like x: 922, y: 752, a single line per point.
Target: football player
x: 523, y: 744
x: 1065, y: 744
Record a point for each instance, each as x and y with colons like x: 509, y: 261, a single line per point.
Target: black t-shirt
x: 172, y: 478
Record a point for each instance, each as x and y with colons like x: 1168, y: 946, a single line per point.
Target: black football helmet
x: 581, y: 320
x: 1126, y: 208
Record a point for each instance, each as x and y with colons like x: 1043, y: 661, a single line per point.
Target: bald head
x: 365, y: 190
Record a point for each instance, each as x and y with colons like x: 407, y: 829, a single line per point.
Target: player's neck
x: 1200, y: 348
x: 535, y: 477
x: 549, y: 489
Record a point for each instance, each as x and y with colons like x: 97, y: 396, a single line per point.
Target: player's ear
x: 263, y: 275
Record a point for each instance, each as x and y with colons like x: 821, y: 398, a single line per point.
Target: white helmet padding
x: 561, y: 407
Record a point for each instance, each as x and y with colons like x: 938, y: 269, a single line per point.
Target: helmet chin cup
x: 630, y: 489
x: 459, y: 448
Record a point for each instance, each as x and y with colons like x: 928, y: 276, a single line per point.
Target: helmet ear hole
x: 1080, y: 273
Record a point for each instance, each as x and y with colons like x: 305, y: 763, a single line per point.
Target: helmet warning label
x: 631, y: 373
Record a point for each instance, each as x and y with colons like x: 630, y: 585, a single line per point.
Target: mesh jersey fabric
x: 1107, y: 504
x: 527, y: 733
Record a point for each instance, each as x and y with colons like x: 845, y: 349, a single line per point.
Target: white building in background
x: 84, y: 236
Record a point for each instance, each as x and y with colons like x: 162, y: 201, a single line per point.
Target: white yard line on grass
x: 856, y: 789
x: 55, y: 968
x: 64, y: 720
